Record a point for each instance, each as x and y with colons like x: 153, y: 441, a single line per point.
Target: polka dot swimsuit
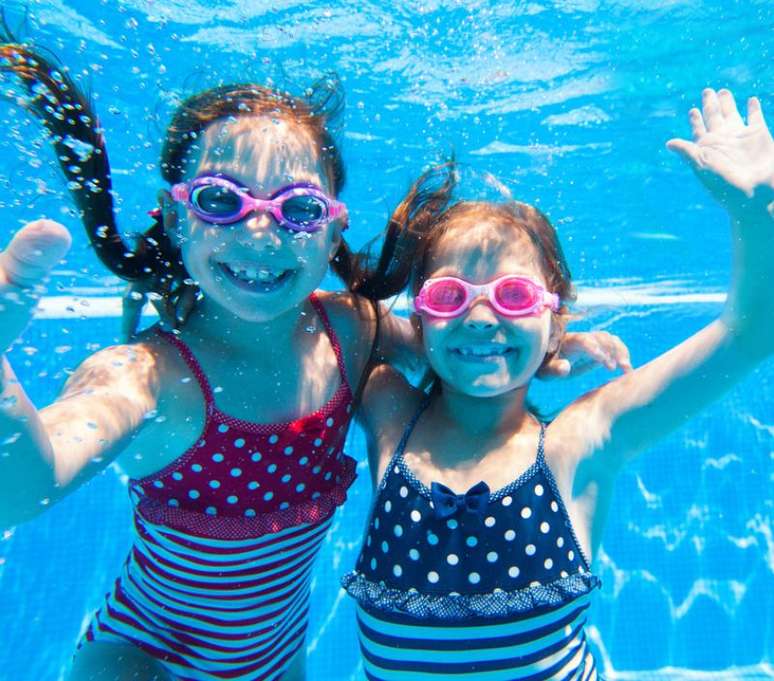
x: 217, y: 583
x: 515, y: 557
x: 255, y: 477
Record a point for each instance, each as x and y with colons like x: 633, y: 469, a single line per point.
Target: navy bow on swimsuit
x: 446, y: 503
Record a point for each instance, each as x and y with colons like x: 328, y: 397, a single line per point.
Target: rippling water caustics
x: 568, y: 105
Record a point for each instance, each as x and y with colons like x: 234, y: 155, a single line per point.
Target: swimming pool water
x: 568, y: 104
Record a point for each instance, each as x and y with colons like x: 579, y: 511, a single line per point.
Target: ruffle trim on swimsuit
x: 445, y: 607
x: 247, y: 527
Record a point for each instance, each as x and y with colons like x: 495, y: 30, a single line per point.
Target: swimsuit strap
x: 541, y: 457
x: 320, y: 310
x: 397, y: 457
x: 193, y: 365
x: 409, y: 429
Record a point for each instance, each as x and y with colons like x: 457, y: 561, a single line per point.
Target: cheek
x: 433, y: 332
x: 311, y: 253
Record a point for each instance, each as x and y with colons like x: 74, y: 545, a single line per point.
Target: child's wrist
x: 758, y: 203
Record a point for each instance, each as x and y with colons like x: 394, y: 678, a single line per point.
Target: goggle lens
x: 216, y: 200
x: 511, y: 295
x: 303, y: 211
x: 445, y: 296
x: 514, y: 294
x: 221, y: 201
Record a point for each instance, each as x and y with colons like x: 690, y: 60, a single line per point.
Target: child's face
x: 482, y: 353
x: 254, y: 268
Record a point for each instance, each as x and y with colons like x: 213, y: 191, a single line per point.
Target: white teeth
x: 252, y: 273
x: 483, y: 350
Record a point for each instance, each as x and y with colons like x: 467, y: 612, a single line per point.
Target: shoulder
x: 348, y: 311
x: 119, y: 362
x: 141, y: 364
x: 388, y: 399
x: 354, y: 321
x: 576, y: 444
x: 389, y: 403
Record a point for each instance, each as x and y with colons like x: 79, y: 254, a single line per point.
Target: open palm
x: 733, y: 159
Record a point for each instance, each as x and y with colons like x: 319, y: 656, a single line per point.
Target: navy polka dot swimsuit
x: 485, y: 581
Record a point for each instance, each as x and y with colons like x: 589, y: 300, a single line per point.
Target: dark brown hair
x: 69, y: 117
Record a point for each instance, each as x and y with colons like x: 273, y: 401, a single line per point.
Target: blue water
x: 568, y: 104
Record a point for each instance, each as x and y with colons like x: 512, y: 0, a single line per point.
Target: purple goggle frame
x: 329, y: 209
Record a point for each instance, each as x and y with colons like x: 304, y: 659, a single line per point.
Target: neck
x: 477, y: 416
x: 217, y: 326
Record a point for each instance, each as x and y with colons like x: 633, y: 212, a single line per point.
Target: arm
x: 48, y: 453
x: 736, y: 163
x: 388, y: 404
x: 399, y: 341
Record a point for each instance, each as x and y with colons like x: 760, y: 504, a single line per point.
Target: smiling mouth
x: 483, y: 352
x: 256, y: 279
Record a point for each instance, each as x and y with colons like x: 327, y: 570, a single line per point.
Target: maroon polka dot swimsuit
x: 216, y: 585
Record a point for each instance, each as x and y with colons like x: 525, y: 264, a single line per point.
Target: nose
x: 261, y: 230
x: 480, y: 316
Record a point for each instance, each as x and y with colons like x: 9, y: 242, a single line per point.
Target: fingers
x: 557, y: 367
x: 168, y: 210
x: 728, y: 107
x: 711, y: 111
x: 619, y: 353
x: 698, y: 129
x: 755, y: 113
x: 132, y: 304
x: 165, y: 309
x: 33, y: 252
x: 687, y: 150
x: 603, y: 354
x: 185, y: 304
x: 600, y: 348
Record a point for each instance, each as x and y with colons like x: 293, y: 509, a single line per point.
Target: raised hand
x: 24, y: 265
x: 582, y: 352
x: 733, y: 159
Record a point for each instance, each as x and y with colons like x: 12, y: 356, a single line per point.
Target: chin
x: 493, y: 384
x: 489, y: 390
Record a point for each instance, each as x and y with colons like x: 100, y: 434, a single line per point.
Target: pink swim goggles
x: 220, y: 200
x: 510, y: 295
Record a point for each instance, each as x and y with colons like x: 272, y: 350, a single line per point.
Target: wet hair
x: 428, y: 211
x: 74, y: 129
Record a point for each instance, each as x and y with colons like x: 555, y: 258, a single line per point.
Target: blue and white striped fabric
x: 485, y: 586
x: 547, y: 646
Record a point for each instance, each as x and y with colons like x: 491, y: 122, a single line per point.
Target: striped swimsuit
x: 216, y: 585
x: 485, y: 586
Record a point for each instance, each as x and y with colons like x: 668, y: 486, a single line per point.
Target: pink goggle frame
x: 510, y: 295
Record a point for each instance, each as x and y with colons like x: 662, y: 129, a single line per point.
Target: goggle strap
x: 551, y: 300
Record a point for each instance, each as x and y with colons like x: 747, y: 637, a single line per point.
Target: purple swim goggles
x: 220, y: 200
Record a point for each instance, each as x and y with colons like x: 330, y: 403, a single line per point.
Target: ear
x: 170, y: 217
x: 336, y: 240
